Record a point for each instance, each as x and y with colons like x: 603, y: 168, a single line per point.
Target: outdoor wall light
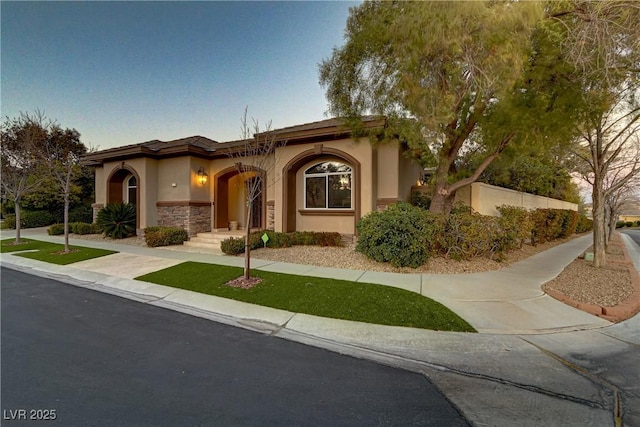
x: 203, y: 177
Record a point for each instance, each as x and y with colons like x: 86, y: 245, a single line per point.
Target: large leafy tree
x: 448, y: 76
x: 61, y: 152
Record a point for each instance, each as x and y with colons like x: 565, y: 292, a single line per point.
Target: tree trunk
x: 16, y: 203
x: 247, y: 245
x: 599, y: 228
x: 441, y: 191
x: 66, y: 222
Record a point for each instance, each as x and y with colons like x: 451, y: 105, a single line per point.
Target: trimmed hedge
x: 29, y: 219
x: 470, y: 235
x: 584, y: 224
x: 55, y: 230
x: 84, y: 228
x: 164, y: 236
x: 235, y: 245
x: 551, y: 224
x: 517, y: 224
x: 406, y: 236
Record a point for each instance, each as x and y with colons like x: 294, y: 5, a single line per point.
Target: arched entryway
x: 231, y: 187
x: 123, y: 186
x: 290, y: 185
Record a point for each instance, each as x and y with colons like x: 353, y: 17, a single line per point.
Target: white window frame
x: 128, y: 187
x: 326, y: 175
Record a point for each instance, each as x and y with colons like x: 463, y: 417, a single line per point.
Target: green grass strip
x: 52, y: 252
x: 339, y: 299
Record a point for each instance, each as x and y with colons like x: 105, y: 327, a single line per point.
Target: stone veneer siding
x: 193, y: 217
x: 97, y: 207
x: 271, y: 215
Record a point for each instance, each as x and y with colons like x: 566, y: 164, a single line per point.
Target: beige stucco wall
x: 410, y: 172
x: 485, y: 198
x: 100, y: 186
x: 146, y: 170
x: 360, y: 149
x: 384, y: 174
x: 174, y: 179
x: 388, y: 171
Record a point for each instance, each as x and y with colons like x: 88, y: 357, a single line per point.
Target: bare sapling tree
x: 610, y: 150
x: 62, y: 152
x: 22, y: 140
x: 617, y: 201
x: 601, y: 41
x: 255, y: 154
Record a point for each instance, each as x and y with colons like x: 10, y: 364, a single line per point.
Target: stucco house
x: 323, y: 179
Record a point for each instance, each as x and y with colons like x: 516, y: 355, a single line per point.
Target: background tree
x: 22, y: 172
x: 61, y: 152
x: 616, y: 202
x: 448, y: 76
x: 601, y: 41
x: 254, y: 154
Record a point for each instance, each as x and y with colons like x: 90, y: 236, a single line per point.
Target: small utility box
x: 588, y: 256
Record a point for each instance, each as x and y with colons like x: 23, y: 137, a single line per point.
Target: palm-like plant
x: 118, y: 220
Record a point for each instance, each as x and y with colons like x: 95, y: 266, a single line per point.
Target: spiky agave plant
x: 118, y: 220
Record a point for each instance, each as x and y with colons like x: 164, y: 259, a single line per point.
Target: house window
x: 328, y: 186
x: 131, y: 190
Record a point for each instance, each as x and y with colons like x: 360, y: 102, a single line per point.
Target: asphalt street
x: 634, y: 234
x: 91, y: 359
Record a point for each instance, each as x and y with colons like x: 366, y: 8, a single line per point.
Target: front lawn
x: 51, y: 252
x: 339, y: 299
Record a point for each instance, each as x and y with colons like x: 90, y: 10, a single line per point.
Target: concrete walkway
x: 508, y: 301
x: 526, y: 367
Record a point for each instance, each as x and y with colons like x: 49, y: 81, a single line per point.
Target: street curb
x: 622, y: 311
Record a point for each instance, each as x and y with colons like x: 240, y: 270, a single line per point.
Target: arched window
x: 327, y: 185
x: 131, y: 190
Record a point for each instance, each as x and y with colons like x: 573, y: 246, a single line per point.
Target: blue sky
x: 128, y: 72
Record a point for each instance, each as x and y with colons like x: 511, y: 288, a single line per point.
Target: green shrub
x: 84, y: 228
x: 516, y: 223
x: 584, y: 224
x: 629, y: 223
x: 232, y: 245
x: 551, y: 224
x: 164, y: 236
x: 55, y: 230
x: 276, y: 240
x: 303, y: 238
x: 82, y: 214
x: 637, y: 223
x: 403, y: 235
x: 547, y: 225
x: 469, y: 235
x: 326, y: 238
x: 118, y: 220
x: 569, y: 223
x: 235, y: 245
x: 620, y: 224
x: 29, y: 219
x: 421, y: 199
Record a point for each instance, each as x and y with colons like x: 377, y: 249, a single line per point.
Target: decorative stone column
x: 271, y: 215
x: 97, y: 207
x: 194, y: 217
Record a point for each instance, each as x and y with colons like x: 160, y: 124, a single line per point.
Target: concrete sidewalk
x: 518, y: 371
x: 508, y: 301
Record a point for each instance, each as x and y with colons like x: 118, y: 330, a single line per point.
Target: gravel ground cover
x: 606, y: 287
